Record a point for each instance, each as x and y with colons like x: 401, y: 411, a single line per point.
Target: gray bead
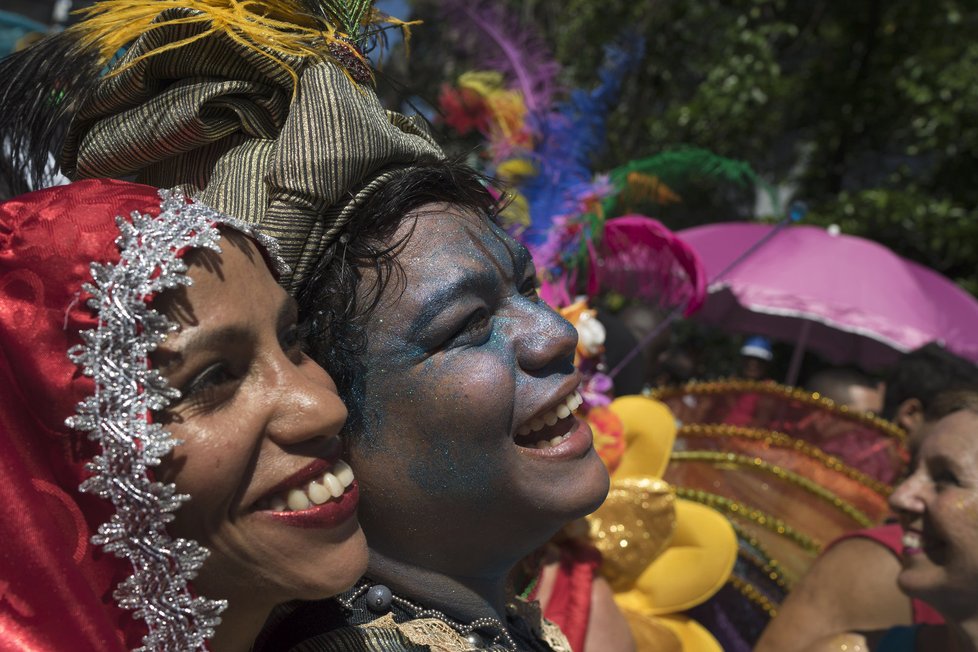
x: 379, y: 599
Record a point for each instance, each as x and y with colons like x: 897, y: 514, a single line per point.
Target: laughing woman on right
x: 937, y: 505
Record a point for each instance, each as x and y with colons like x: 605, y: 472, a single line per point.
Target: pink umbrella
x: 851, y: 300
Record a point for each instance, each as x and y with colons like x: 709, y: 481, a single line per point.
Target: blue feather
x: 569, y: 138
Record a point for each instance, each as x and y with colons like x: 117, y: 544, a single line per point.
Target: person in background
x: 936, y: 505
x: 849, y: 387
x: 852, y: 586
x: 756, y: 356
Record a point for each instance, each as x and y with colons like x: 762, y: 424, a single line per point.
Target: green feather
x: 346, y: 15
x: 675, y: 167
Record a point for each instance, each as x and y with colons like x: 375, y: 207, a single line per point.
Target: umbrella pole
x: 798, y: 354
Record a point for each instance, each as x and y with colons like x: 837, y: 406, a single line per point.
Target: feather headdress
x: 43, y: 85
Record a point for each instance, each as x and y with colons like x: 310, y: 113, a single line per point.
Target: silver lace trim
x: 116, y: 355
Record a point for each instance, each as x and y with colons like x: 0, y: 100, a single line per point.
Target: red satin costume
x: 56, y: 587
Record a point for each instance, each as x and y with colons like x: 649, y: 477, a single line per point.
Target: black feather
x: 40, y: 89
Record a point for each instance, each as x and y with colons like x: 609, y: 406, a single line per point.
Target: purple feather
x: 519, y: 53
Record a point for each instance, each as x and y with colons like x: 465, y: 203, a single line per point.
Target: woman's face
x: 938, y: 508
x: 258, y: 421
x: 463, y: 362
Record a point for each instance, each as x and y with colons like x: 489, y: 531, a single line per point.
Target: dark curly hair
x: 334, y: 306
x: 923, y: 374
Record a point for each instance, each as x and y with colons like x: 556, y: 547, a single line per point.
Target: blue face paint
x: 459, y: 357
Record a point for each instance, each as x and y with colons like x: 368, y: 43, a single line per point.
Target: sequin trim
x: 721, y: 459
x: 766, y: 387
x: 115, y: 354
x: 781, y: 440
x: 767, y: 521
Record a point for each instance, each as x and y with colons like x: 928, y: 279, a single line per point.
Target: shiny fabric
x: 868, y: 444
x: 570, y: 604
x: 56, y: 587
x: 790, y: 471
x: 328, y: 626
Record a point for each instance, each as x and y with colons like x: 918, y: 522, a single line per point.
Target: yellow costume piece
x: 663, y: 555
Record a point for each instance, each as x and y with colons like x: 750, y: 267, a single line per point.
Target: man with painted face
x: 462, y: 391
x: 460, y: 380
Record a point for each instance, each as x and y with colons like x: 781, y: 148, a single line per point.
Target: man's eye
x: 478, y: 321
x: 531, y: 288
x: 476, y: 327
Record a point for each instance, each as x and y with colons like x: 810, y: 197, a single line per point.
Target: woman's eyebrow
x: 200, y: 340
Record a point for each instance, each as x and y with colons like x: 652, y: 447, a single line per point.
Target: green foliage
x: 866, y: 110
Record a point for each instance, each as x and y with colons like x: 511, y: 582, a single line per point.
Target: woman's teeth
x: 911, y: 541
x: 562, y: 411
x: 330, y: 485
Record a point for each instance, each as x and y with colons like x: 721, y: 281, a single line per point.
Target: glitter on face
x: 458, y: 357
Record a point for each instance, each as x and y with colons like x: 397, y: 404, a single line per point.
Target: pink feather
x: 640, y: 258
x: 518, y: 52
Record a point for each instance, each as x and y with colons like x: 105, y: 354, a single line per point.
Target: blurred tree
x: 867, y: 110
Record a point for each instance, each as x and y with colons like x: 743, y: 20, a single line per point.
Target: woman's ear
x: 910, y: 415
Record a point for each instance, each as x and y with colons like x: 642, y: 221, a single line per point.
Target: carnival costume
x: 792, y: 470
x: 86, y: 562
x: 266, y: 111
x: 263, y: 110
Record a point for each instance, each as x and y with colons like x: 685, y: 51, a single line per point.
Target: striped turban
x: 293, y: 143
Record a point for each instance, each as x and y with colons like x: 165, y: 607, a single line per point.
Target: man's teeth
x: 330, y: 485
x: 550, y: 443
x: 911, y: 540
x: 562, y: 411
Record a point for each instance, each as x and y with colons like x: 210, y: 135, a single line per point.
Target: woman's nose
x: 907, y: 497
x: 306, y: 405
x: 544, y: 339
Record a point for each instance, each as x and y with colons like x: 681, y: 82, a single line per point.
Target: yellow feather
x: 648, y: 187
x: 276, y: 29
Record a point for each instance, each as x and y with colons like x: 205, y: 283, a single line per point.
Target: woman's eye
x: 292, y: 342
x: 206, y: 386
x: 945, y: 478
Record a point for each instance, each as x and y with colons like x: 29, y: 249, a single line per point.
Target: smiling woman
x: 212, y: 450
x: 937, y: 504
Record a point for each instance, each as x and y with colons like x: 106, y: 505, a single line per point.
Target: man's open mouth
x: 552, y: 427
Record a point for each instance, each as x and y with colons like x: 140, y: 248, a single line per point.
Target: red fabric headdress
x: 58, y: 589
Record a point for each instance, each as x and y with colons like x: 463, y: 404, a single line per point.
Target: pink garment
x: 890, y: 536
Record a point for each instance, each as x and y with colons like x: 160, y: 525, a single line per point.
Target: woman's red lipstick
x: 302, y: 477
x: 332, y: 513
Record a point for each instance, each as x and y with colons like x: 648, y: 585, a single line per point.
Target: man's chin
x: 575, y: 492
